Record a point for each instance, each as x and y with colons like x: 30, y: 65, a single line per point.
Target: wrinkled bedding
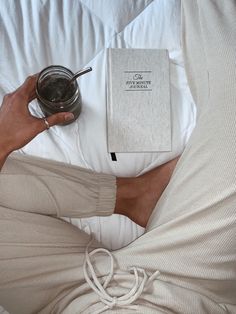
x: 38, y: 33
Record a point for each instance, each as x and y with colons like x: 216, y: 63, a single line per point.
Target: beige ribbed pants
x: 191, y: 236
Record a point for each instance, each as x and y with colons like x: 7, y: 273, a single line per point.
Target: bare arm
x: 17, y: 126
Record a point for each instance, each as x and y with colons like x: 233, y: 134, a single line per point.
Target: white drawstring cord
x: 110, y: 301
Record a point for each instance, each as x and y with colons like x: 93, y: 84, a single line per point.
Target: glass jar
x: 55, y: 95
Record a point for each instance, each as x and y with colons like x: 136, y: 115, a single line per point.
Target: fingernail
x: 69, y: 116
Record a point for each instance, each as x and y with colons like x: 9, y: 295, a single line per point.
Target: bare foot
x: 137, y: 197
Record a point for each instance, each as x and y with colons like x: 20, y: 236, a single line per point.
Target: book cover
x: 138, y: 100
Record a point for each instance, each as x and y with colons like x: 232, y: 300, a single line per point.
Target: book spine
x: 109, y: 96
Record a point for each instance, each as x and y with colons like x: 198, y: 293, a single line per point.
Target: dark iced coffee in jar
x: 55, y: 94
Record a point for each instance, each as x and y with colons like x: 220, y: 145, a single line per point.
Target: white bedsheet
x: 2, y: 311
x: 76, y: 33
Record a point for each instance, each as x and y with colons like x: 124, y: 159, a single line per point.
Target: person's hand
x: 17, y: 126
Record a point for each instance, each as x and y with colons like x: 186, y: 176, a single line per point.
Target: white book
x: 138, y: 102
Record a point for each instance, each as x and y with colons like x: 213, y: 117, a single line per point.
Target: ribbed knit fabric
x: 189, y: 249
x: 54, y: 188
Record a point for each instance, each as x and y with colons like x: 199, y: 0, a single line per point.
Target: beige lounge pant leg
x: 41, y: 257
x: 46, y: 187
x: 191, y: 236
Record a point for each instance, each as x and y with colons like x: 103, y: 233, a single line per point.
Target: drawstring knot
x: 141, y: 281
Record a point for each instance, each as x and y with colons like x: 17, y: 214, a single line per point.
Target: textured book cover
x: 138, y: 102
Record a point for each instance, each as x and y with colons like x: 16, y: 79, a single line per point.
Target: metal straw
x: 75, y: 76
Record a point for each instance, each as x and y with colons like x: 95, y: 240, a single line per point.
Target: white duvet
x: 75, y: 34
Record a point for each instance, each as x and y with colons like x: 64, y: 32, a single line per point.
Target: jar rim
x: 55, y: 66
